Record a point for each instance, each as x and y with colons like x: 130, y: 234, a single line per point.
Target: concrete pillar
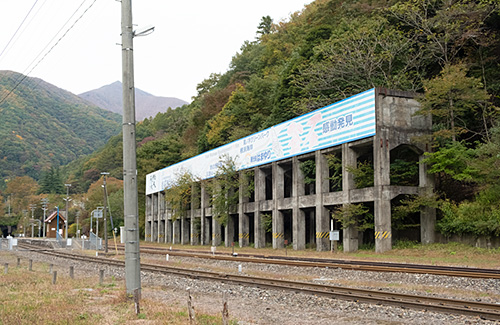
x: 260, y: 195
x: 168, y: 231
x: 322, y: 214
x: 204, y: 235
x: 427, y: 214
x: 278, y: 194
x: 382, y: 204
x: 243, y: 220
x: 184, y: 230
x: 154, y: 230
x: 161, y: 217
x: 229, y: 231
x: 298, y: 215
x: 207, y: 234
x: 216, y: 232
x: 148, y: 230
x: 216, y: 226
x: 195, y: 204
x: 176, y: 231
x: 244, y: 230
x: 349, y: 159
x: 149, y: 216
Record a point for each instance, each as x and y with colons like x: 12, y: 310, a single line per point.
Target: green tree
x: 22, y: 192
x: 360, y: 54
x: 356, y: 215
x: 95, y: 195
x: 3, y: 206
x: 178, y: 195
x: 225, y: 189
x: 445, y: 28
x: 335, y: 167
x: 51, y: 182
x: 266, y: 26
x: 453, y: 98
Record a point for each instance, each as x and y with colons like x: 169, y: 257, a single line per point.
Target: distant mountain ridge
x: 42, y: 125
x: 109, y: 97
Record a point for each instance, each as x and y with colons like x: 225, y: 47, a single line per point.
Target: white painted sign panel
x: 348, y: 120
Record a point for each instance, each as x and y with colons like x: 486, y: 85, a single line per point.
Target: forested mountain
x: 42, y: 126
x: 449, y: 51
x: 109, y: 97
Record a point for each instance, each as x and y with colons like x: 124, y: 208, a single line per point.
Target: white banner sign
x: 348, y: 120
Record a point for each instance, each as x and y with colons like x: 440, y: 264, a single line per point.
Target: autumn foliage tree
x: 22, y: 191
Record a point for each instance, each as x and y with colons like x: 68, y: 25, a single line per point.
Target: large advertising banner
x: 345, y: 121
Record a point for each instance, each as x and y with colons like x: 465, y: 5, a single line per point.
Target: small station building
x: 377, y: 126
x: 51, y: 224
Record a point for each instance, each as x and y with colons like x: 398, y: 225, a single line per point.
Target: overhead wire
x: 18, y: 28
x: 25, y: 75
x: 23, y: 28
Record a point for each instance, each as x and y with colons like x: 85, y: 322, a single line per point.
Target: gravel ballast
x: 249, y: 305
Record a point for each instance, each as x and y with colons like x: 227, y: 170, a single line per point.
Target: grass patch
x: 29, y: 297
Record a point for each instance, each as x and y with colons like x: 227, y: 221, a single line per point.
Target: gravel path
x: 262, y: 306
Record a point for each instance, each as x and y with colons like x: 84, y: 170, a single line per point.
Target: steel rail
x: 335, y: 263
x: 455, y: 306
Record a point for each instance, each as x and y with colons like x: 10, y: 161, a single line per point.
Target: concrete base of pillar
x: 350, y: 242
x: 428, y: 225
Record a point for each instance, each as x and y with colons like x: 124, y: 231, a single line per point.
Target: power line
x: 18, y: 28
x: 23, y: 29
x: 50, y: 50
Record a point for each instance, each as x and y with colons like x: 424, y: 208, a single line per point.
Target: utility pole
x: 67, y: 203
x: 77, y: 228
x: 57, y: 231
x: 45, y: 202
x: 105, y: 207
x: 131, y: 210
x: 32, y: 207
x: 10, y: 195
x: 24, y: 222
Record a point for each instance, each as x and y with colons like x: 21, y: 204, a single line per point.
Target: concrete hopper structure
x: 376, y: 126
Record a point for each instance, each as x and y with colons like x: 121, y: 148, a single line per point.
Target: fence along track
x: 349, y: 265
x: 471, y: 308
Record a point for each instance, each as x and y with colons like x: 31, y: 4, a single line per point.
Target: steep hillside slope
x: 42, y: 125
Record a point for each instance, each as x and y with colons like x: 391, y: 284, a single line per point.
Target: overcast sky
x: 192, y: 39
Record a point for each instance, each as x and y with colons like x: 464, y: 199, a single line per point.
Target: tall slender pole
x: 131, y: 210
x: 105, y: 206
x: 57, y: 233
x: 67, y: 203
x: 44, y: 207
x: 32, y: 207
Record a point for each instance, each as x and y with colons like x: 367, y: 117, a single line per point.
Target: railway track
x: 487, y: 311
x: 333, y: 263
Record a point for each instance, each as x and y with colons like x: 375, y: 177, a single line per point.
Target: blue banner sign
x: 348, y: 120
